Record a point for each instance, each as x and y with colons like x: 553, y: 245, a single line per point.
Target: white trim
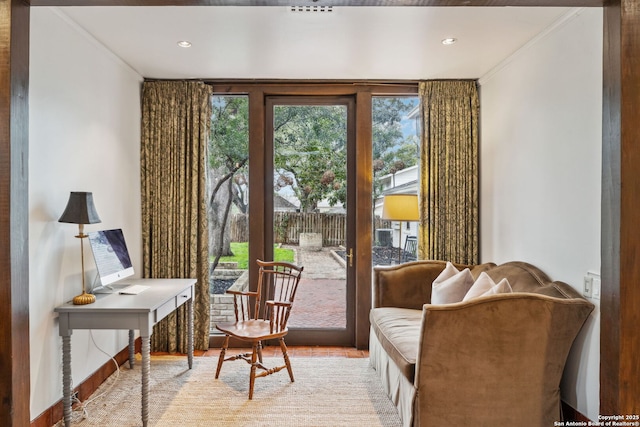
x: 558, y: 23
x: 94, y: 41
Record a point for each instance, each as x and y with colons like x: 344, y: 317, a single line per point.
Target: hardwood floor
x: 294, y: 351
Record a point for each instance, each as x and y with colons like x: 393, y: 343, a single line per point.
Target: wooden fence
x: 288, y: 226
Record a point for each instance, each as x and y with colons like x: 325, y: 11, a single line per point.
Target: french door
x: 265, y: 219
x: 309, y: 201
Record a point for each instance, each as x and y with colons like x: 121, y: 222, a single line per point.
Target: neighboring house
x: 325, y: 207
x: 290, y: 203
x: 280, y: 204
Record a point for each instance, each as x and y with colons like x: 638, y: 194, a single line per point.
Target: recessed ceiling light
x: 449, y: 40
x: 184, y: 43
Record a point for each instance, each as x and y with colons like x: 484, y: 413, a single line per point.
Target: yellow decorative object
x: 400, y: 207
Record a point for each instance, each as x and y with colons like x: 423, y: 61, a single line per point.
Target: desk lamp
x: 80, y: 210
x: 400, y: 207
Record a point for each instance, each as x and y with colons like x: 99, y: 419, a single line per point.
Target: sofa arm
x: 508, y: 349
x: 406, y: 285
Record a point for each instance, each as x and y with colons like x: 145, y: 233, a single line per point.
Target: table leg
x: 132, y: 349
x: 146, y: 365
x: 190, y: 333
x: 66, y: 379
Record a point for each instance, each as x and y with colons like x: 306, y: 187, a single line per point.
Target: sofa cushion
x: 398, y: 330
x: 484, y: 285
x: 451, y: 285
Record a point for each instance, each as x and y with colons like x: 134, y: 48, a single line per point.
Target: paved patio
x: 321, y: 298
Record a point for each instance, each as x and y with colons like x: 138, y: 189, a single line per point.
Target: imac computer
x: 112, y: 258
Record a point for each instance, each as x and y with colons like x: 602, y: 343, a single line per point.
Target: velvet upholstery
x: 396, y: 329
x: 490, y: 361
x: 409, y: 285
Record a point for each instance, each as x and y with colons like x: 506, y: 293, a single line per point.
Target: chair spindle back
x: 278, y: 282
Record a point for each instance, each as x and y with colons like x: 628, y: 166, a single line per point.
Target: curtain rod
x: 280, y: 82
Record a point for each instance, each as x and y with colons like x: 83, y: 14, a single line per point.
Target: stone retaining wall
x: 222, y: 305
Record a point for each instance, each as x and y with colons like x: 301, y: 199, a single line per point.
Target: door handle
x: 350, y: 256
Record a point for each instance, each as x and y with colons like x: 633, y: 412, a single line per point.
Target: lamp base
x: 85, y: 298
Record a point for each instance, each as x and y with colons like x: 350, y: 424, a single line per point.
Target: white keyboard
x: 133, y: 290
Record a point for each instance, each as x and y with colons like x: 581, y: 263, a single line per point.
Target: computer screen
x: 111, y: 255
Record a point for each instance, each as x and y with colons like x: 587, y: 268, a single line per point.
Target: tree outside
x: 395, y: 141
x: 310, y: 153
x: 309, y: 157
x: 228, y: 169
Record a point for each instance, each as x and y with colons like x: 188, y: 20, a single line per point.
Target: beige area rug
x: 329, y: 392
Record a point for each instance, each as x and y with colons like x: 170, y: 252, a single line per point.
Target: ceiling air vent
x: 316, y: 9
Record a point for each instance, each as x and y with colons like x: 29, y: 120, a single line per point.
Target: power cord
x: 95, y: 281
x: 80, y: 412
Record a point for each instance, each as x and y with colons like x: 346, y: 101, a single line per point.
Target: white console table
x: 132, y: 312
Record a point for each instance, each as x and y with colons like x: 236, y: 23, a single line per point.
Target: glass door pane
x: 310, y: 213
x: 396, y: 153
x: 228, y: 198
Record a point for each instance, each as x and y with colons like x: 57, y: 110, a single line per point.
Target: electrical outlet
x: 595, y: 288
x: 591, y: 286
x: 588, y: 286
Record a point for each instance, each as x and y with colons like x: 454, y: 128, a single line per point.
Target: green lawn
x: 241, y: 254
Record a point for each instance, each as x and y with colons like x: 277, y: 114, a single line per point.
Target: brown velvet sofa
x: 490, y: 361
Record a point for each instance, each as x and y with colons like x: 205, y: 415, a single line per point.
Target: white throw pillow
x: 449, y: 271
x: 451, y: 285
x: 484, y: 286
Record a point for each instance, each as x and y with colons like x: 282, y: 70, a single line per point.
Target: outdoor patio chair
x: 277, y: 285
x: 410, y: 252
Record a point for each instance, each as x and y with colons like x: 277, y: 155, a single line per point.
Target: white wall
x: 84, y: 114
x: 541, y: 138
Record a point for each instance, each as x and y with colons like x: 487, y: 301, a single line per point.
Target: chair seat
x: 255, y: 329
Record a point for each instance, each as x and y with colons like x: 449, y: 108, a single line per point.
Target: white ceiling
x: 243, y: 42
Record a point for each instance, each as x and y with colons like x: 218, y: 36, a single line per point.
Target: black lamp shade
x: 80, y: 209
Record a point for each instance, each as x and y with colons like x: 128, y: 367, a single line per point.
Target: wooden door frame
x: 318, y: 336
x: 14, y: 212
x: 620, y: 246
x: 362, y: 92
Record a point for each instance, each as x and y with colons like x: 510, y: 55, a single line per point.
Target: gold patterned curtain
x: 449, y: 171
x: 175, y: 132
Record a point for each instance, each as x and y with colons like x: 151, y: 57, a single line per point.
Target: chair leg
x: 260, y: 351
x: 252, y: 375
x: 283, y: 347
x: 223, y: 351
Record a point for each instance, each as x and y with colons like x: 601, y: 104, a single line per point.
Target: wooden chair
x: 277, y: 285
